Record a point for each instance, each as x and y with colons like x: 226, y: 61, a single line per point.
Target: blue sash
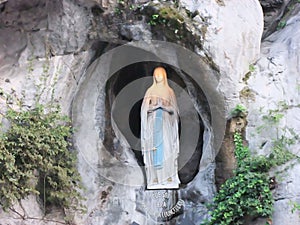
x: 158, y: 154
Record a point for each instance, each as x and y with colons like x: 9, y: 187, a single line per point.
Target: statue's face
x: 158, y: 77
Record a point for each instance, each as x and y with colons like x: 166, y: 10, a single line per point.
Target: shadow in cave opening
x: 131, y: 121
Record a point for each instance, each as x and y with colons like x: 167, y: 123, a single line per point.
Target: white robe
x: 165, y: 177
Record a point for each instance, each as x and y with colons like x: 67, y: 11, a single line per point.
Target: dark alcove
x: 129, y: 120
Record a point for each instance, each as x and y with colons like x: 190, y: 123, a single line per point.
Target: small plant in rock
x: 238, y: 110
x: 251, y: 68
x: 154, y: 20
x: 281, y: 25
x: 284, y: 138
x: 296, y: 207
x: 273, y: 118
x: 170, y: 19
x: 248, y: 74
x: 118, y: 11
x: 121, y: 5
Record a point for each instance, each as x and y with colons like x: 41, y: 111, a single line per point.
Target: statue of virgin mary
x: 159, y: 133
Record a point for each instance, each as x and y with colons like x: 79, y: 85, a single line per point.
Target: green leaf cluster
x: 281, y: 24
x: 296, y: 206
x: 239, y: 110
x: 247, y: 193
x: 36, y: 158
x: 167, y: 15
x: 170, y: 19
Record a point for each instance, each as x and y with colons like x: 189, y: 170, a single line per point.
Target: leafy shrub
x: 246, y: 194
x: 35, y: 158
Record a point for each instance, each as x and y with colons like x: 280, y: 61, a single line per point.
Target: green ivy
x: 246, y: 194
x: 241, y: 152
x: 36, y: 158
x: 238, y: 110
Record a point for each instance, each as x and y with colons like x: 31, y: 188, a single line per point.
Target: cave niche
x: 129, y: 123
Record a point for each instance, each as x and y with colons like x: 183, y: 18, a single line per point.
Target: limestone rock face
x: 67, y: 35
x: 62, y: 41
x: 231, y: 26
x: 273, y: 89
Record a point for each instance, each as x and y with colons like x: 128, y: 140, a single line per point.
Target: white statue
x: 159, y: 133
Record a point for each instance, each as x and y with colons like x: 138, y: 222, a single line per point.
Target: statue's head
x: 160, y: 75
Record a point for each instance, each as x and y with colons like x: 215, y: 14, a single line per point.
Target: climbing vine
x: 36, y: 158
x: 248, y: 193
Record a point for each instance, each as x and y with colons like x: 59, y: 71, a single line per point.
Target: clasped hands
x: 161, y: 104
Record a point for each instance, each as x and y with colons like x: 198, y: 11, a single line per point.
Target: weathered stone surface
x: 58, y: 34
x: 9, y: 50
x: 234, y: 25
x: 273, y: 12
x: 275, y: 85
x: 225, y: 159
x: 275, y: 80
x: 287, y: 194
x: 28, y: 212
x: 135, y: 32
x: 69, y: 25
